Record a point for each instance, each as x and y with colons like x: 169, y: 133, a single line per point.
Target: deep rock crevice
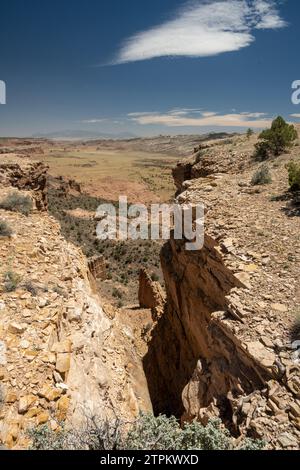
x: 193, y: 365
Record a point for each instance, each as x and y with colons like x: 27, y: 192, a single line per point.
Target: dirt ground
x: 143, y: 176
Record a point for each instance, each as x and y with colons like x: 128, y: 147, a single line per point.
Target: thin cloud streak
x: 207, y: 119
x: 203, y: 28
x: 93, y: 121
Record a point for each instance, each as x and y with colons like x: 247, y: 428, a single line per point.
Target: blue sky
x: 147, y: 67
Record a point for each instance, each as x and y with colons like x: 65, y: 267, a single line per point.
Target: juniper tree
x: 250, y: 132
x: 276, y: 140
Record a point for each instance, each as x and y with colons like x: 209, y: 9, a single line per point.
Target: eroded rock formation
x: 64, y: 355
x: 25, y: 175
x: 151, y: 295
x: 222, y: 347
x: 97, y: 267
x: 210, y: 159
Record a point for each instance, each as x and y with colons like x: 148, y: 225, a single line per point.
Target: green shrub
x: 163, y: 433
x: 117, y: 293
x: 154, y: 433
x: 17, y: 203
x: 95, y: 434
x: 11, y: 281
x: 262, y: 151
x: 294, y: 175
x: 5, y: 230
x: 276, y: 140
x: 210, y: 437
x: 43, y: 438
x: 251, y: 444
x: 262, y: 176
x: 147, y: 433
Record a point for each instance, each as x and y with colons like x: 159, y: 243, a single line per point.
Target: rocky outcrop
x: 97, y: 267
x: 222, y: 347
x: 198, y: 288
x: 209, y: 160
x: 65, y: 187
x: 151, y: 295
x: 198, y: 366
x: 182, y: 172
x: 70, y: 186
x: 25, y: 175
x: 64, y: 356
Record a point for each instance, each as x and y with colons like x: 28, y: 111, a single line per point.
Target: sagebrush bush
x: 43, y: 438
x: 276, y: 140
x: 294, y: 175
x: 17, y: 203
x: 262, y: 176
x: 95, y: 434
x: 146, y: 433
x: 251, y: 444
x: 163, y: 433
x: 117, y: 293
x: 5, y: 230
x: 11, y: 280
x: 154, y: 433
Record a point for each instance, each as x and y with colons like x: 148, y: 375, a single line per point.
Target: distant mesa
x: 94, y: 135
x: 83, y: 135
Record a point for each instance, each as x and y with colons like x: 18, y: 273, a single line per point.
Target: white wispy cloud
x: 146, y: 113
x: 202, y: 119
x: 203, y: 28
x: 185, y: 111
x: 295, y: 116
x: 267, y: 15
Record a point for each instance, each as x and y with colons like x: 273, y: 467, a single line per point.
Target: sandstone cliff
x: 219, y: 345
x: 63, y: 354
x: 21, y: 173
x: 151, y: 295
x: 223, y: 346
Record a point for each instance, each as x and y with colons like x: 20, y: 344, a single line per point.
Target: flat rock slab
x: 257, y: 350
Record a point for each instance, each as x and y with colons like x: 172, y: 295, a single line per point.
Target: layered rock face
x: 222, y: 347
x: 210, y: 159
x: 23, y: 174
x: 151, y: 295
x: 97, y: 267
x: 219, y: 345
x: 64, y: 355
